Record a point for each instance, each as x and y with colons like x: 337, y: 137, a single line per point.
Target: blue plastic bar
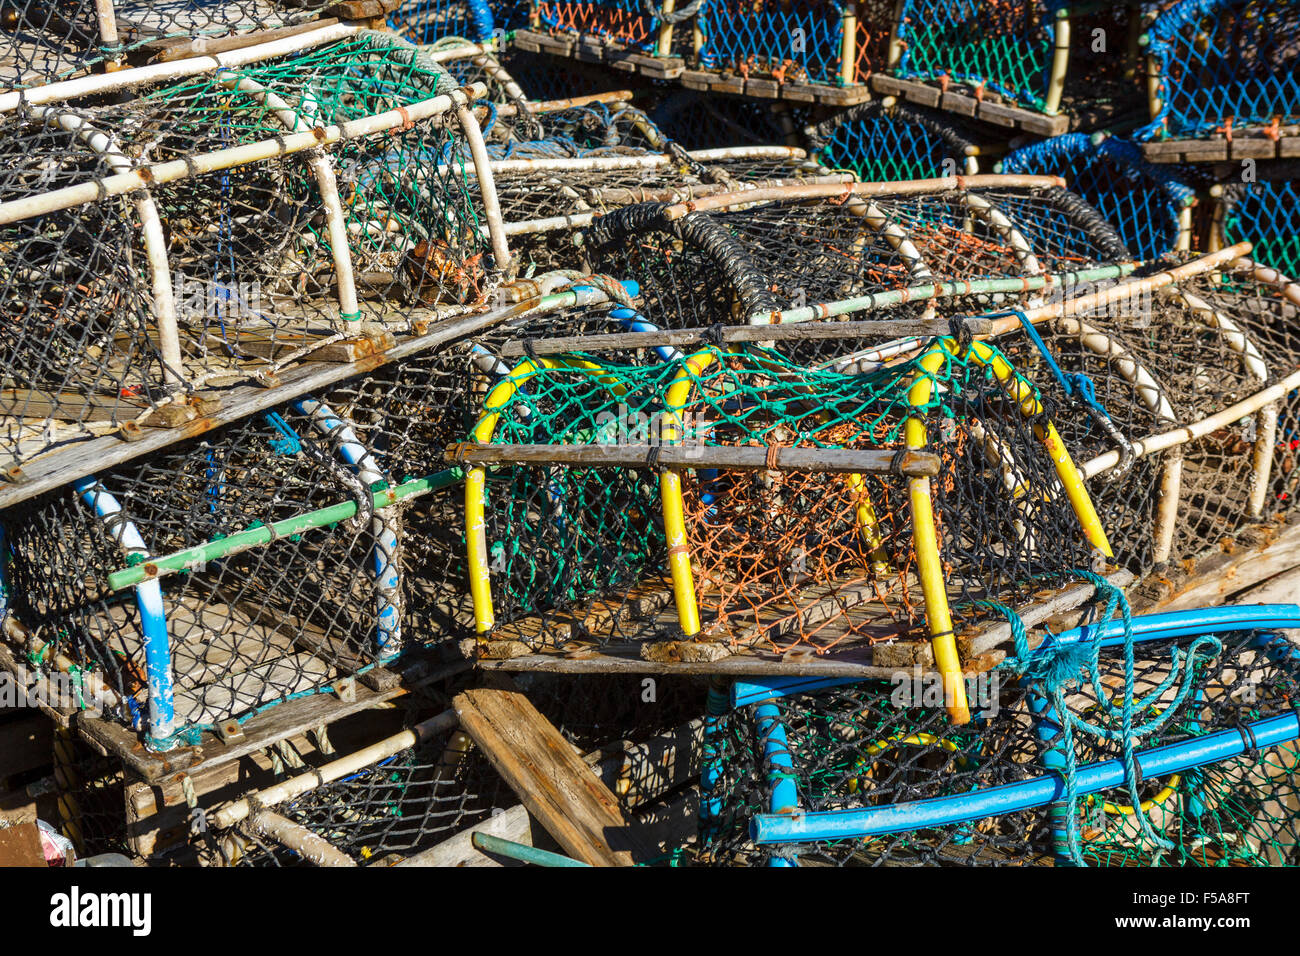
x: 712, y: 758
x: 776, y: 756
x: 1009, y: 798
x: 153, y: 617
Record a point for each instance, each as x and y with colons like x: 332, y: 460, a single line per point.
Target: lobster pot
x: 1265, y: 306
x: 820, y: 42
x: 887, y: 143
x: 705, y: 120
x: 896, y: 784
x: 1223, y: 65
x: 626, y: 23
x: 427, y: 21
x: 221, y: 268
x: 1149, y: 206
x: 41, y: 42
x: 227, y: 630
x: 382, y: 814
x: 1267, y: 214
x: 737, y: 260
x: 769, y: 559
x: 1157, y: 364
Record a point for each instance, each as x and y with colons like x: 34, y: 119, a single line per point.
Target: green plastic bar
x: 520, y: 851
x: 939, y: 290
x: 240, y: 541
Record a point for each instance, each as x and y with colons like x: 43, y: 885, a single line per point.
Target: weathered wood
x: 638, y: 774
x: 20, y: 845
x: 1282, y: 588
x: 165, y: 51
x: 58, y: 468
x: 1244, y: 144
x: 1002, y: 114
x: 556, y: 786
x: 1220, y: 575
x: 1042, y: 607
x: 800, y: 331
x: 836, y: 461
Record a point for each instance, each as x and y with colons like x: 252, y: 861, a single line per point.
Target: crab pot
x: 734, y: 260
x: 230, y: 632
x: 879, y: 777
x: 427, y: 21
x: 1221, y: 65
x: 1263, y: 304
x: 1266, y: 212
x: 42, y: 42
x: 779, y: 558
x: 821, y: 42
x: 238, y: 246
x: 1149, y: 206
x: 884, y: 143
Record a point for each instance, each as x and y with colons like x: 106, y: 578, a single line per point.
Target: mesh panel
x: 395, y: 808
x: 871, y: 745
x: 425, y: 21
x: 1267, y: 213
x: 1143, y: 202
x: 882, y: 144
x: 795, y: 42
x: 42, y: 41
x: 1224, y: 64
x: 1002, y: 45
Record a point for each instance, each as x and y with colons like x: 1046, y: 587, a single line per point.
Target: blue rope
x: 1057, y: 667
x: 1076, y: 385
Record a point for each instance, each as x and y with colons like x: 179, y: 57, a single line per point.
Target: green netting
x: 777, y: 558
x: 1004, y: 46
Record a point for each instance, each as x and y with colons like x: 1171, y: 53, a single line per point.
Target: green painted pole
x: 240, y: 541
x: 938, y: 290
x: 520, y: 851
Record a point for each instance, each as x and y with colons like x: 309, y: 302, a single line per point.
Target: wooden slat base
x: 1249, y: 144
x: 963, y: 104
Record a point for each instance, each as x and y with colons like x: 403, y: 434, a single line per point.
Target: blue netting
x: 425, y: 21
x: 887, y: 144
x: 1004, y: 46
x: 1225, y: 60
x: 1267, y: 213
x: 1140, y: 200
x: 798, y: 41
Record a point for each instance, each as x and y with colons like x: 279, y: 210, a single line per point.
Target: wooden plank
x: 640, y: 774
x: 20, y: 845
x: 836, y: 461
x: 556, y: 786
x: 164, y: 51
x: 58, y: 468
x: 1218, y: 576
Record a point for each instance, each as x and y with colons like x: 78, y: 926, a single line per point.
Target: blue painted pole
x: 1009, y: 798
x: 783, y: 793
x: 384, y: 563
x: 153, y: 617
